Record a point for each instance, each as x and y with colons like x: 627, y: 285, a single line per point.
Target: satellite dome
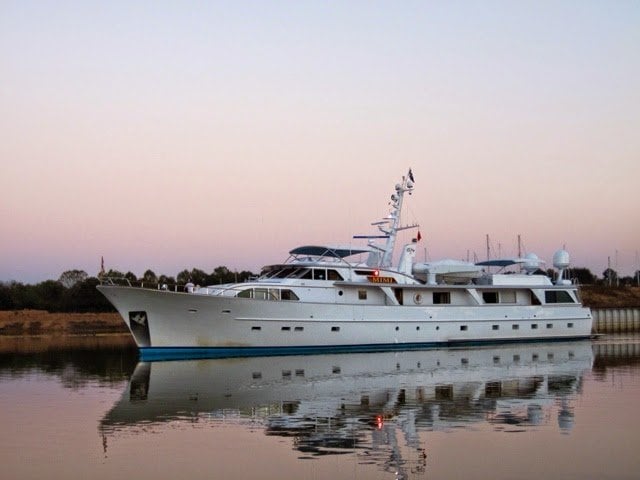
x: 561, y: 259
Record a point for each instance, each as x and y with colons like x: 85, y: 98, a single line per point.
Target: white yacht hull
x: 161, y: 320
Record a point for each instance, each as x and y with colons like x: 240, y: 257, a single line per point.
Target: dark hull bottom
x: 151, y: 354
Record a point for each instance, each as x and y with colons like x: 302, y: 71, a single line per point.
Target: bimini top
x: 328, y: 251
x: 501, y: 262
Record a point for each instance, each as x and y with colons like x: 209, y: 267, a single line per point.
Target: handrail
x: 124, y: 281
x: 175, y: 287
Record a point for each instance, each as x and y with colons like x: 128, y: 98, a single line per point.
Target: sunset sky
x: 172, y: 135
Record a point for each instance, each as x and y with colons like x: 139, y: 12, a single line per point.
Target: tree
x: 610, y: 277
x: 149, y: 277
x: 583, y: 275
x: 165, y: 280
x: 131, y: 277
x: 69, y: 278
x: 50, y: 294
x: 183, y: 277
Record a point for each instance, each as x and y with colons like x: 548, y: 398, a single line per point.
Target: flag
x: 419, y: 237
x: 411, y: 176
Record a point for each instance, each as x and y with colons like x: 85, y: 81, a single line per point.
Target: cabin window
x: 335, y: 329
x: 364, y: 272
x: 515, y: 326
x: 319, y: 274
x: 534, y: 326
x: 569, y: 325
x: 534, y: 299
x: 441, y: 297
x: 299, y: 329
x: 286, y: 329
x: 490, y: 297
x: 260, y: 293
x: 334, y: 275
x: 268, y: 294
x: 398, y: 294
x: 287, y: 294
x: 284, y: 273
x: 463, y: 328
x: 256, y: 329
x: 362, y: 294
x: 557, y: 296
x: 495, y: 327
x: 306, y: 275
x: 549, y: 325
x: 274, y: 294
x: 508, y: 296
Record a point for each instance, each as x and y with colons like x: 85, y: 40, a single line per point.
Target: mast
x: 390, y: 225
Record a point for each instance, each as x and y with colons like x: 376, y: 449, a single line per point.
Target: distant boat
x: 348, y: 298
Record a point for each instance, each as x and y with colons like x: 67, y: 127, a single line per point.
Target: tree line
x: 75, y: 291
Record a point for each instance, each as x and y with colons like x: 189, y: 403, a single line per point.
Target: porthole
x: 417, y: 298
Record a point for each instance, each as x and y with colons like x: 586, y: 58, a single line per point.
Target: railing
x: 170, y: 287
x: 125, y: 282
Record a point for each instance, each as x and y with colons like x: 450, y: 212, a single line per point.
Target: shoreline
x: 32, y: 323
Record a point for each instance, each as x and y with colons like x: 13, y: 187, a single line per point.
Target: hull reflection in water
x: 330, y: 403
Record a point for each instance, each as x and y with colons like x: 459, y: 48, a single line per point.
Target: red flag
x: 419, y: 237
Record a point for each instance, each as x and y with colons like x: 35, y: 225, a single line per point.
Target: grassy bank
x: 39, y: 322
x: 608, y: 297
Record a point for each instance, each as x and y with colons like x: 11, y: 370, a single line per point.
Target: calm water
x: 90, y: 410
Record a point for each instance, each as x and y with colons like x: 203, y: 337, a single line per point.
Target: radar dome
x: 532, y: 263
x: 561, y: 259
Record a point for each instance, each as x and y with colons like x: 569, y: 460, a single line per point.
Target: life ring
x: 417, y: 298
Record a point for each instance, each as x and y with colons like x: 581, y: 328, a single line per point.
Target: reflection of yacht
x: 321, y: 299
x: 329, y: 403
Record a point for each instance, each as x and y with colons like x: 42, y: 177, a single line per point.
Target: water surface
x: 89, y: 409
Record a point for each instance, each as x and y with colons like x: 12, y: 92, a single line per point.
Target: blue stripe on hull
x: 151, y: 354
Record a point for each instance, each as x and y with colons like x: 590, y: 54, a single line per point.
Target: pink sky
x: 196, y: 136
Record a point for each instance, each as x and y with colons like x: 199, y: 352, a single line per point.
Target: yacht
x: 356, y: 298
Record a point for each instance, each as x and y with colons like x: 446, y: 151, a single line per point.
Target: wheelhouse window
x: 334, y: 275
x: 557, y: 296
x: 441, y: 298
x: 490, y: 297
x: 362, y: 294
x: 319, y: 274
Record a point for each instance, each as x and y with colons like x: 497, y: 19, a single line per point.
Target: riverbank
x: 39, y: 322
x: 610, y: 297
